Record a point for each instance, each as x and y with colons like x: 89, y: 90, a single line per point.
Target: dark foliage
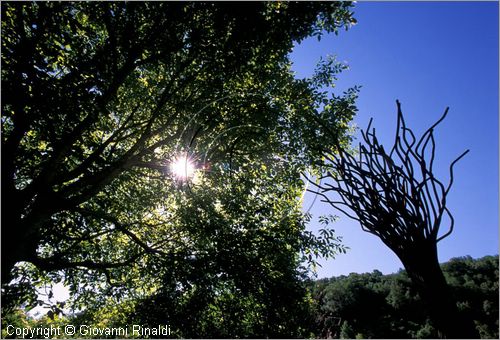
x: 370, y: 305
x: 373, y: 305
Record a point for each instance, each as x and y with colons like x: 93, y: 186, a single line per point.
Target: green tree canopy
x: 100, y: 98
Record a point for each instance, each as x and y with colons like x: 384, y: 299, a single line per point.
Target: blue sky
x: 429, y: 55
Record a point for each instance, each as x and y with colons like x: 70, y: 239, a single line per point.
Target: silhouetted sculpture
x: 396, y: 197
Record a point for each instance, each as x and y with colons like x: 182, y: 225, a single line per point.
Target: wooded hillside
x: 373, y: 305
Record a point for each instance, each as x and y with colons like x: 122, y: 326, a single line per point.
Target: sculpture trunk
x: 422, y: 265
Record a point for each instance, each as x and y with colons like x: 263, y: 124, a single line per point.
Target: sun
x: 182, y: 167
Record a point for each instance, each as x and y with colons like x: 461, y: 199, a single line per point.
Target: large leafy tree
x: 100, y: 98
x: 242, y: 275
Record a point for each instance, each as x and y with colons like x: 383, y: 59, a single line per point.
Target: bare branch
x: 382, y: 191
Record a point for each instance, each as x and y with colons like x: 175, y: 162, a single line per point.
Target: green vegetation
x: 368, y: 305
x: 373, y: 305
x: 154, y: 157
x: 100, y: 99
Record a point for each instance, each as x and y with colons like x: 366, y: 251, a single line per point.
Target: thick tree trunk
x: 12, y: 240
x: 20, y: 237
x: 17, y: 246
x: 422, y: 265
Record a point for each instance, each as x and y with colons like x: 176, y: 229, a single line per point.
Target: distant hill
x: 373, y: 305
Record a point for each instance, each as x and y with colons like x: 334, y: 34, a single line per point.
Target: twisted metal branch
x: 394, y: 195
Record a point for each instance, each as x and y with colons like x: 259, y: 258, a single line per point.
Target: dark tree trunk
x: 12, y: 239
x: 20, y: 236
x: 17, y: 245
x: 422, y: 265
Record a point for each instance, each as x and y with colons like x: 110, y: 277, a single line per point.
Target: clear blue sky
x: 429, y: 55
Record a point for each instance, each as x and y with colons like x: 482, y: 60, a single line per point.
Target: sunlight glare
x: 182, y: 167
